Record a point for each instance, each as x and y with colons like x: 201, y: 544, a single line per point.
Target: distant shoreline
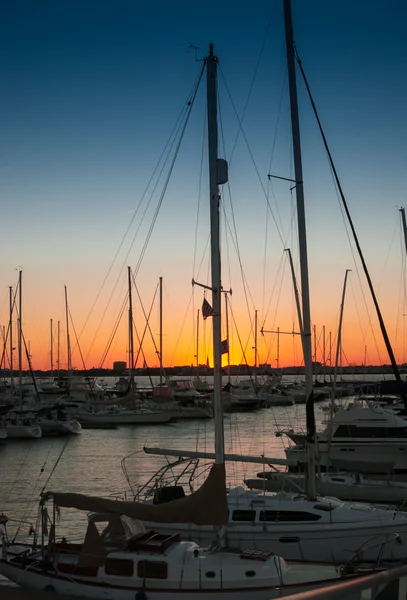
x: 203, y: 370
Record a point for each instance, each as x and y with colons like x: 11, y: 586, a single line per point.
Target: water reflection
x: 90, y: 463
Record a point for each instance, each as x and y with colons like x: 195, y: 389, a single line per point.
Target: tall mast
x: 217, y: 175
x: 255, y: 339
x: 68, y: 340
x: 58, y: 345
x: 337, y: 358
x: 52, y: 349
x: 131, y: 338
x: 227, y: 331
x: 11, y: 338
x: 296, y: 293
x: 315, y: 343
x: 20, y: 334
x: 302, y: 239
x: 403, y: 220
x: 161, y: 331
x: 278, y: 349
x: 197, y: 341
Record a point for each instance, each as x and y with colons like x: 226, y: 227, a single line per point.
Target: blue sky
x: 91, y: 90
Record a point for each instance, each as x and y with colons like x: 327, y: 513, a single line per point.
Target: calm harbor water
x: 90, y: 463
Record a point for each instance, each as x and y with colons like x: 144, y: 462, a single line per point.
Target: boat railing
x: 376, y: 541
x: 362, y: 588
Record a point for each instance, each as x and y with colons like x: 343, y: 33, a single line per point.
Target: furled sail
x: 206, y: 506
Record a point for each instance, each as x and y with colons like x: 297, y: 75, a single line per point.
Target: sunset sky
x: 91, y: 92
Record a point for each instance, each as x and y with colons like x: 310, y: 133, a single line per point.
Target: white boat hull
x: 54, y: 427
x: 335, y: 543
x: 124, y: 419
x: 366, y: 491
x: 298, y: 578
x: 23, y: 431
x: 373, y: 452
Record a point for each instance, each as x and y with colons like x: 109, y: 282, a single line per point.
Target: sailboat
x: 17, y: 422
x: 124, y: 562
x: 293, y: 525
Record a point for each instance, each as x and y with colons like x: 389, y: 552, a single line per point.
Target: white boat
x: 59, y: 426
x: 269, y: 395
x: 342, y: 485
x: 119, y: 560
x: 115, y: 416
x: 358, y: 433
x: 20, y: 426
x: 175, y: 410
x: 292, y: 525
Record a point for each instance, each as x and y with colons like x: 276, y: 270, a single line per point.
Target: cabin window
x: 152, y: 569
x: 119, y: 567
x: 287, y: 515
x: 369, y: 432
x: 244, y: 515
x: 210, y: 574
x: 250, y: 573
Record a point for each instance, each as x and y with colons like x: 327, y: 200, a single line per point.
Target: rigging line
x: 192, y: 101
x: 182, y: 327
x: 233, y: 232
x: 17, y: 478
x: 56, y: 464
x: 29, y: 510
x: 270, y: 183
x: 46, y: 483
x: 252, y: 157
x: 279, y: 275
x: 362, y: 327
x: 167, y: 144
x: 356, y: 240
x: 240, y: 340
x: 146, y: 328
x: 199, y: 190
x: 356, y: 265
x: 135, y: 235
x: 240, y: 121
x: 113, y: 334
x: 79, y: 348
x: 144, y: 312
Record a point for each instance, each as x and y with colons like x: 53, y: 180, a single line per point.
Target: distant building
x: 119, y: 366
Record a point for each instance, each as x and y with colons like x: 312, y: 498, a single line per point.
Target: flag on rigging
x: 207, y: 310
x: 224, y: 347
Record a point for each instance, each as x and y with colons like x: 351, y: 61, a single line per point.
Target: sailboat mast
x: 52, y: 349
x: 131, y: 338
x: 11, y: 338
x: 296, y: 293
x: 20, y: 333
x: 227, y: 332
x: 58, y: 345
x: 68, y: 340
x: 337, y: 359
x: 302, y: 238
x: 217, y: 175
x: 197, y: 341
x: 255, y: 339
x: 161, y: 331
